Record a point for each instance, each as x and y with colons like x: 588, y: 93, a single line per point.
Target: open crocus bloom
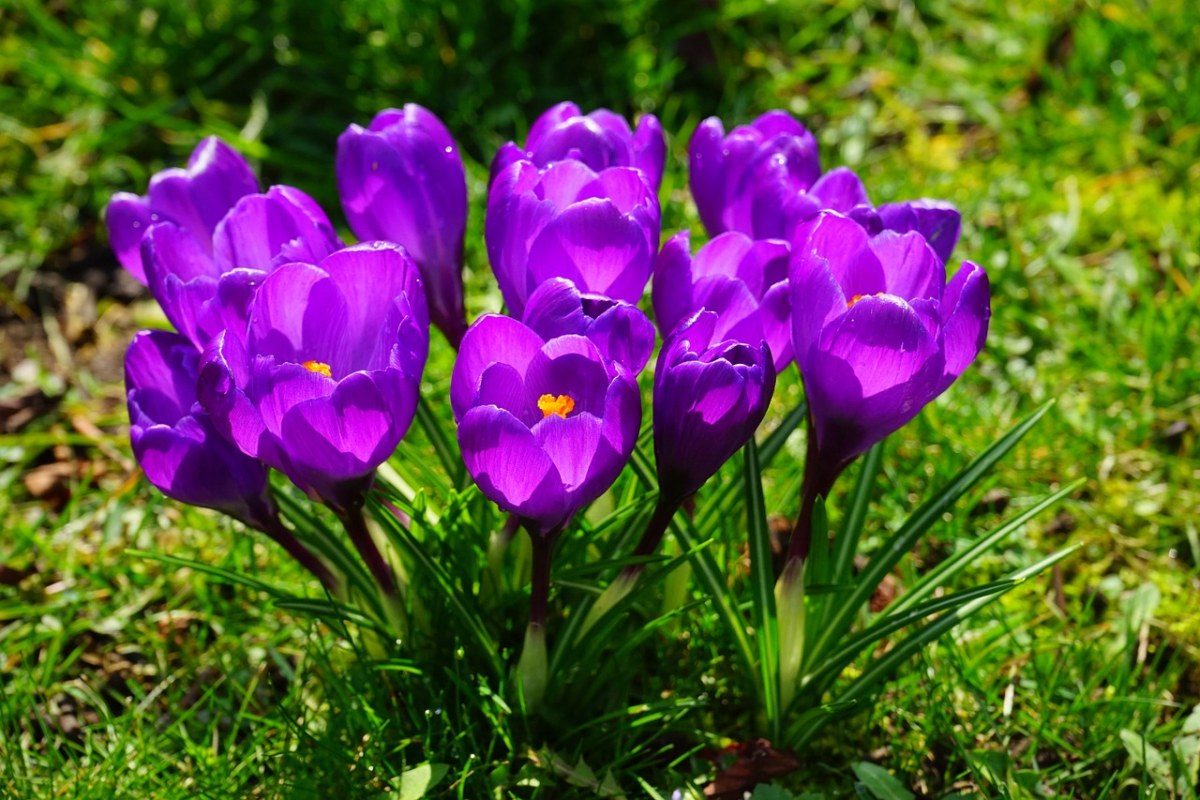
x: 877, y: 332
x: 600, y: 140
x: 545, y: 426
x: 322, y: 382
x: 174, y: 440
x: 195, y: 199
x: 619, y: 330
x: 597, y: 229
x: 742, y: 280
x: 203, y: 287
x: 710, y: 395
x: 401, y: 180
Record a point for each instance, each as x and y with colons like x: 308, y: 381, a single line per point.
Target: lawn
x: 1067, y: 133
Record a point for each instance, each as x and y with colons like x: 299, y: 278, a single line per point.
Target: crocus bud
x: 621, y: 331
x: 750, y: 180
x: 175, y: 442
x: 709, y: 397
x: 195, y: 199
x: 743, y: 281
x: 600, y: 140
x: 261, y: 231
x: 877, y: 332
x: 597, y: 229
x: 322, y: 383
x: 401, y: 180
x: 545, y: 426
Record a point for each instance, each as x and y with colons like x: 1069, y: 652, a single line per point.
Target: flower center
x: 319, y: 367
x: 551, y: 404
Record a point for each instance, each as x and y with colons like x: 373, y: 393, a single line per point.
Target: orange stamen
x: 561, y: 405
x: 320, y: 367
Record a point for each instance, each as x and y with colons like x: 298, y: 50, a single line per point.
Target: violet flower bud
x: 877, y: 332
x: 597, y: 229
x: 709, y: 397
x: 175, y: 442
x: 743, y: 281
x: 322, y: 383
x: 621, y: 331
x: 601, y: 139
x: 261, y: 231
x: 195, y: 199
x: 545, y: 425
x: 402, y: 180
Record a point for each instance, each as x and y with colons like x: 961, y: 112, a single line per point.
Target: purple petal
x: 555, y: 309
x: 672, y: 289
x: 571, y: 444
x: 127, y: 219
x: 840, y: 190
x: 265, y: 230
x: 572, y: 366
x: 491, y: 339
x: 938, y: 221
x: 160, y: 368
x: 649, y: 149
x: 707, y: 174
x: 624, y: 335
x: 509, y: 466
x: 911, y: 268
x: 549, y: 119
x: 967, y: 310
x: 845, y: 246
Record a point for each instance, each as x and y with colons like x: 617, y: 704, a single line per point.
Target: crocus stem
x: 656, y: 528
x: 356, y: 526
x: 789, y: 615
x: 532, y: 669
x: 818, y: 480
x: 288, y: 541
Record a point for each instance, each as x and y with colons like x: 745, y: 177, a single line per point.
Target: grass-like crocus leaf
x: 762, y: 587
x: 923, y: 518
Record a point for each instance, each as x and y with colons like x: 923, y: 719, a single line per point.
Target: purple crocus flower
x: 709, y: 397
x: 877, y: 332
x: 545, y: 425
x: 749, y: 180
x: 401, y: 180
x: 195, y: 199
x: 174, y: 440
x: 204, y: 286
x: 619, y: 330
x: 600, y: 139
x: 597, y: 229
x: 322, y: 382
x: 938, y: 221
x: 742, y: 280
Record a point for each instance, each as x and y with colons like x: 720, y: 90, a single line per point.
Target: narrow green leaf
x: 452, y: 462
x: 882, y: 784
x: 903, y: 540
x: 459, y: 605
x: 852, y: 525
x: 762, y: 588
x: 225, y: 575
x: 946, y: 570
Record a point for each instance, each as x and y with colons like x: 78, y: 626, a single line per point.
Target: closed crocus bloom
x: 322, y: 383
x: 877, y: 332
x: 195, y: 199
x: 600, y: 139
x: 745, y: 282
x: 545, y: 425
x: 619, y: 330
x: 938, y: 221
x: 597, y: 229
x: 710, y: 394
x: 174, y: 441
x: 205, y: 288
x: 401, y: 180
x: 747, y: 180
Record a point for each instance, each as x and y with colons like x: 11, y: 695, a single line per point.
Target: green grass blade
x: 956, y: 563
x: 865, y: 685
x: 762, y: 588
x: 921, y: 520
x: 452, y: 463
x: 225, y: 575
x: 459, y: 604
x: 860, y: 500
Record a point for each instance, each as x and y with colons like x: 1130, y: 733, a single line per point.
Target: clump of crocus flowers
x: 298, y: 353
